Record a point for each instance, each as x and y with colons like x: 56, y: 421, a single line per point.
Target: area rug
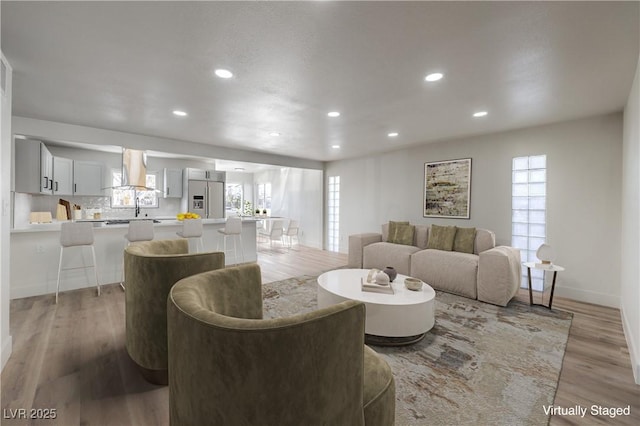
x: 480, y: 364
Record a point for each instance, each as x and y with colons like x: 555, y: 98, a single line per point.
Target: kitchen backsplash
x: 26, y: 203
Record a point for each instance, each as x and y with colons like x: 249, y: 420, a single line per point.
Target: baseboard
x: 7, y: 347
x: 632, y: 345
x: 612, y: 301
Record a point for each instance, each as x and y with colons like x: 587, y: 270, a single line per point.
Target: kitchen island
x: 35, y: 252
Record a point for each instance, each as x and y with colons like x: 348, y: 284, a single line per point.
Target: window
x: 127, y: 197
x: 333, y: 219
x: 528, y: 211
x: 264, y: 196
x: 234, y: 197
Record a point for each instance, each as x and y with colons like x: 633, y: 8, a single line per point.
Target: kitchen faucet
x: 137, y: 207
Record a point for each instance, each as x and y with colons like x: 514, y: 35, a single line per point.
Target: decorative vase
x: 381, y: 278
x: 389, y: 270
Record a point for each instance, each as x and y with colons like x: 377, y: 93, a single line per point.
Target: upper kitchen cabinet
x: 34, y: 167
x: 197, y: 174
x: 87, y: 178
x: 62, y: 176
x: 172, y: 183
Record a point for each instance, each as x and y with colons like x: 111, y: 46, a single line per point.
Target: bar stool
x: 139, y: 230
x: 76, y: 234
x: 233, y: 229
x: 192, y: 228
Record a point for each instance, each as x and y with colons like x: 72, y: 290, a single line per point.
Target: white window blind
x: 528, y: 208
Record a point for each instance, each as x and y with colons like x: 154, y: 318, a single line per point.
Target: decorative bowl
x: 413, y: 284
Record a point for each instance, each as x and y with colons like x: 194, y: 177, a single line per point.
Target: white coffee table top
x: 347, y: 283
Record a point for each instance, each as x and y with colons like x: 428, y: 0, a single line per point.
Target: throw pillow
x: 392, y: 230
x: 463, y: 242
x: 404, y: 234
x: 441, y: 237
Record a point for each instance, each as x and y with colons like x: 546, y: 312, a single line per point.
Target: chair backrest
x: 304, y: 369
x: 140, y: 230
x: 234, y: 225
x: 76, y: 234
x: 152, y: 268
x: 276, y: 229
x: 292, y: 229
x: 192, y: 228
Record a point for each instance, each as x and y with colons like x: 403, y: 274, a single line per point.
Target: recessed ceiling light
x: 180, y: 113
x: 334, y: 114
x: 239, y: 169
x: 434, y: 76
x: 274, y: 134
x: 222, y: 73
x: 392, y: 134
x: 480, y: 114
x: 335, y: 146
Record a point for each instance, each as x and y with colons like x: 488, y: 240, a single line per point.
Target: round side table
x: 544, y: 267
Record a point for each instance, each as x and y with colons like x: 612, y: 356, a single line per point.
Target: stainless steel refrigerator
x: 206, y: 198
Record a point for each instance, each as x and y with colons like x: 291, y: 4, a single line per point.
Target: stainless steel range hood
x: 134, y: 168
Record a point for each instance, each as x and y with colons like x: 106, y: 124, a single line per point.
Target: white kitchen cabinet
x: 62, y: 176
x: 198, y: 174
x: 87, y: 178
x: 172, y: 183
x: 34, y: 167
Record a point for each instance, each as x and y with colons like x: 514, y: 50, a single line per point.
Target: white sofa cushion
x: 380, y: 255
x: 449, y: 271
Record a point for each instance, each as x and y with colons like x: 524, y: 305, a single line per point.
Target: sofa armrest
x: 499, y: 272
x: 357, y: 243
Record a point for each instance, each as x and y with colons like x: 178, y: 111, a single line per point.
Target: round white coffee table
x: 392, y: 319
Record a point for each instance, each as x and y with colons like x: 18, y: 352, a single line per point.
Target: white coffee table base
x: 392, y: 319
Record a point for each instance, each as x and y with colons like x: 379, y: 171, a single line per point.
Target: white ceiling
x: 126, y: 66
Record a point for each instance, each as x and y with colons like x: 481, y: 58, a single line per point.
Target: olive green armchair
x: 151, y: 268
x: 228, y: 366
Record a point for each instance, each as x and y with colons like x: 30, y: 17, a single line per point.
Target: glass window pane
x: 537, y: 216
x: 520, y: 189
x: 520, y: 176
x: 538, y: 162
x: 519, y: 242
x: 520, y: 163
x: 537, y: 230
x: 537, y: 203
x: 519, y: 229
x: 537, y: 189
x: 520, y: 203
x: 538, y: 176
x: 520, y: 216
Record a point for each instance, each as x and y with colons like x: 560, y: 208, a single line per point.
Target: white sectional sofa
x: 489, y: 273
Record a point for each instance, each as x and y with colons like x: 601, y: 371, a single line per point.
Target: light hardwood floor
x: 71, y: 356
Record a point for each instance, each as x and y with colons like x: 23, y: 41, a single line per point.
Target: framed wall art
x: 447, y: 189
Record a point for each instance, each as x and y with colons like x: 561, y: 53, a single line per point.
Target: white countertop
x: 99, y: 224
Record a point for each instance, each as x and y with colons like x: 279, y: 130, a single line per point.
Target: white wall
x: 630, y: 269
x: 5, y: 216
x: 297, y: 194
x: 583, y: 194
